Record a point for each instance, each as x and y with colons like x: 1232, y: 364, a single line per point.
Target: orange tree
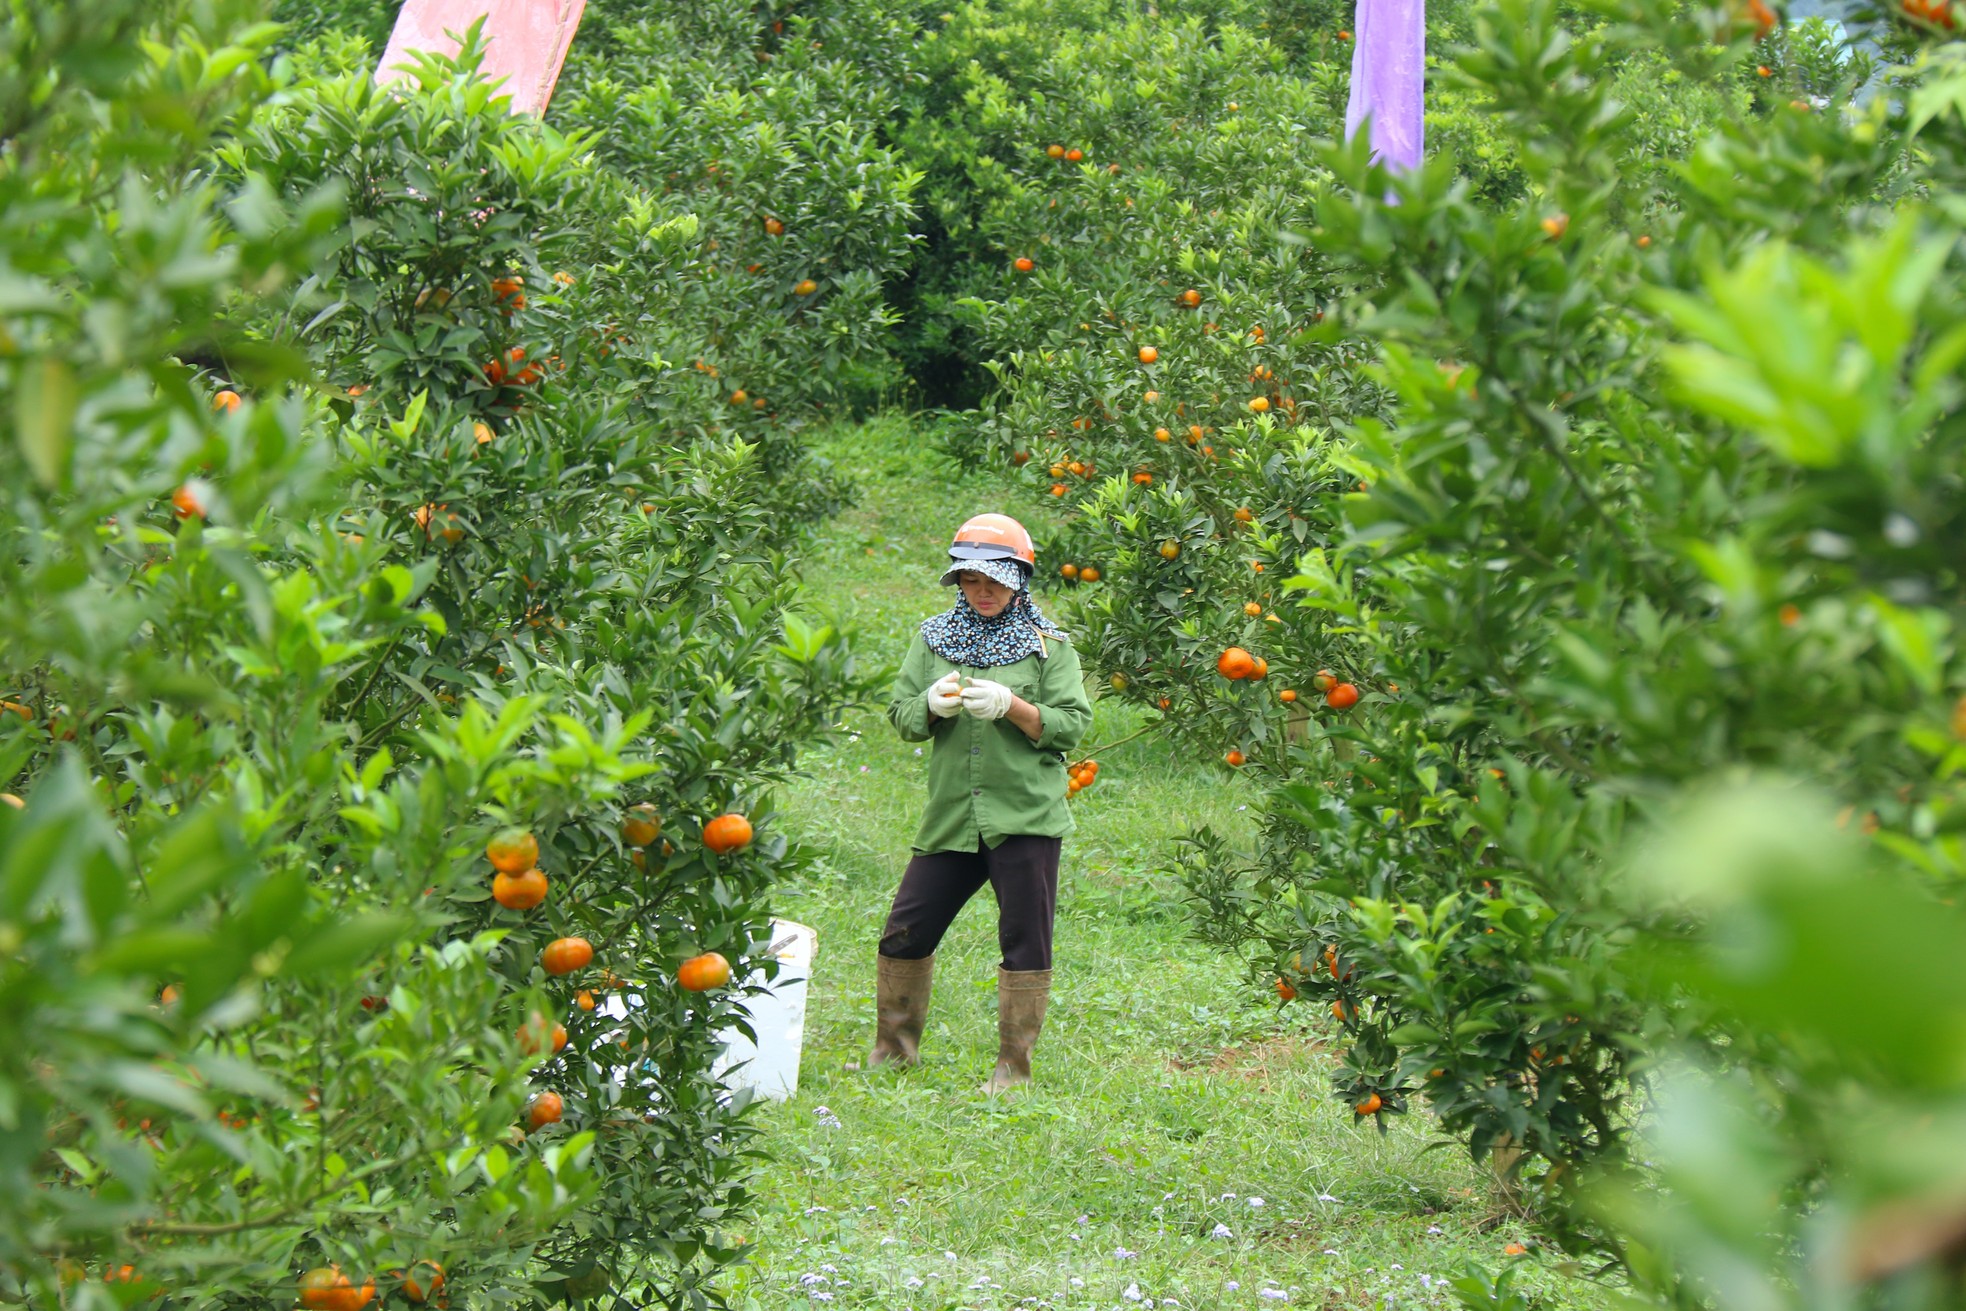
x: 1583, y: 497
x: 763, y: 127
x: 283, y: 659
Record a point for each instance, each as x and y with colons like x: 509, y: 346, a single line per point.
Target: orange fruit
x: 1074, y: 156
x: 1056, y: 152
x: 739, y: 396
x: 1058, y: 489
x: 1287, y: 695
x: 1342, y: 697
x: 805, y: 287
x: 1170, y: 549
x: 702, y: 973
x: 513, y: 851
x: 1020, y: 458
x: 1191, y: 298
x: 1324, y: 680
x: 1262, y: 669
x: 1339, y: 1010
x: 1088, y: 574
x: 774, y: 227
x: 1760, y: 15
x: 584, y: 999
x: 1260, y: 404
x: 1194, y: 433
x: 1069, y: 570
x: 1142, y: 478
x: 1790, y: 614
x: 1235, y: 663
x: 1557, y: 224
x: 534, y: 1034
x: 1370, y: 1105
x: 1024, y: 264
x: 226, y: 401
x: 520, y: 891
x: 1148, y: 354
x: 1245, y: 515
x: 1515, y: 1249
x: 565, y: 955
x: 424, y: 1281
x: 1252, y: 609
x: 1285, y: 991
x: 1163, y: 435
x: 1235, y: 758
x: 190, y: 500
x: 323, y: 1287
x: 642, y: 827
x: 482, y: 431
x: 1165, y: 703
x: 545, y: 1108
x: 727, y: 833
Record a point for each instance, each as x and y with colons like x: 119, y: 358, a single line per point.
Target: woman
x: 998, y: 690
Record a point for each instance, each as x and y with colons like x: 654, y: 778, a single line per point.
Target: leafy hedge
x: 305, y: 604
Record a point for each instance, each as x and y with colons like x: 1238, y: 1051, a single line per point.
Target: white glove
x: 986, y: 700
x: 944, y: 697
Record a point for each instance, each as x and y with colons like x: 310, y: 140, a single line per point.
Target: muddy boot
x: 1021, y: 998
x: 900, y: 1008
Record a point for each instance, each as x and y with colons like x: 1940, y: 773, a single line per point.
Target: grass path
x: 1179, y: 1145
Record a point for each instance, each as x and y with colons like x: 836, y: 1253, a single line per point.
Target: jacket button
x: 976, y: 751
x: 976, y: 792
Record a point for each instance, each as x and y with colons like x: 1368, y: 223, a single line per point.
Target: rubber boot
x: 1021, y: 999
x: 900, y: 1008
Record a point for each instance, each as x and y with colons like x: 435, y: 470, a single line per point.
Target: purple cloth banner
x: 1389, y: 79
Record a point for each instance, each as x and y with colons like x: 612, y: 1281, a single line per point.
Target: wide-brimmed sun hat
x: 1008, y: 572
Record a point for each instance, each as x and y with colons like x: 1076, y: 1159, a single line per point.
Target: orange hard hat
x: 994, y: 537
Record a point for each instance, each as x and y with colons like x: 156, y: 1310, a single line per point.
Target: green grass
x: 1171, y: 1093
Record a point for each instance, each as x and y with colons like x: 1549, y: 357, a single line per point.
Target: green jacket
x: 985, y: 778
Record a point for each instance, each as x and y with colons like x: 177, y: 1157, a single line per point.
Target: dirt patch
x: 1258, y: 1060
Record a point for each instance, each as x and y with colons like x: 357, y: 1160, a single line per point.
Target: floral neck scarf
x: 963, y: 637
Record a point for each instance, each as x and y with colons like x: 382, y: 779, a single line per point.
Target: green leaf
x: 337, y: 946
x: 44, y: 415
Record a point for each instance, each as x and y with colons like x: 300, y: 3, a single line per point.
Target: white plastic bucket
x: 770, y: 1067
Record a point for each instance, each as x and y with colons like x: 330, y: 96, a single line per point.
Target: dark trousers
x: 1021, y: 871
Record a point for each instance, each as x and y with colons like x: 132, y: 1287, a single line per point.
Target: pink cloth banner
x: 1389, y: 80
x: 526, y: 41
